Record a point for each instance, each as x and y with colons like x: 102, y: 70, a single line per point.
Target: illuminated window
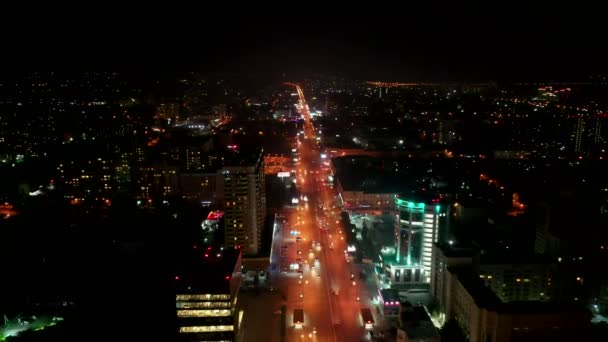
x: 198, y: 305
x: 203, y: 313
x: 211, y: 328
x: 202, y: 297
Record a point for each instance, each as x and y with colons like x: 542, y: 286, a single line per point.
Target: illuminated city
x: 435, y: 181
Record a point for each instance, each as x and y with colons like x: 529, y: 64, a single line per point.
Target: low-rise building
x: 389, y: 302
x: 398, y: 274
x: 416, y: 326
x: 275, y: 163
x: 364, y: 200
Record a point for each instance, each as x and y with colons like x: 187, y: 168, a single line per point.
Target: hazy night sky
x: 445, y: 47
x: 509, y: 42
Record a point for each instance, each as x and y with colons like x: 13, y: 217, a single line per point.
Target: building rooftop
x: 206, y: 270
x: 417, y: 323
x: 375, y: 182
x: 428, y: 198
x: 486, y: 298
x: 473, y: 202
x: 515, y: 259
x: 457, y: 250
x: 242, y: 156
x: 362, y: 174
x: 482, y: 295
x: 390, y: 295
x: 540, y: 308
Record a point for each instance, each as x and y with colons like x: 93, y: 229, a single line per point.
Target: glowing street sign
x: 215, y: 215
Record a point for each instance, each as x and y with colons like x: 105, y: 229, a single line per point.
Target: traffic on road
x: 317, y: 274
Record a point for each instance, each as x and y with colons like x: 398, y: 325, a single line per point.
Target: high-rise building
x: 449, y: 256
x: 123, y: 170
x: 207, y: 286
x: 169, y: 110
x: 578, y: 135
x: 91, y: 180
x: 159, y: 180
x: 588, y: 133
x: 518, y: 280
x: 545, y: 243
x: 193, y: 158
x: 483, y: 317
x: 446, y: 132
x: 417, y: 229
x: 597, y: 131
x: 499, y: 301
x: 244, y: 203
x: 140, y: 155
x: 204, y: 188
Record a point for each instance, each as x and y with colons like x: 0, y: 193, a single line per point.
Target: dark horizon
x: 453, y: 44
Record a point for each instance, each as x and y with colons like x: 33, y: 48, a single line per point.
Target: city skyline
x: 334, y: 177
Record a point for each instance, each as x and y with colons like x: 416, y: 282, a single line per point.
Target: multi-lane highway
x: 329, y: 287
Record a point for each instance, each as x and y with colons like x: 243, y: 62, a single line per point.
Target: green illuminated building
x: 416, y: 232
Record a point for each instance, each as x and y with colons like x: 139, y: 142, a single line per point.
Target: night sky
x: 443, y: 46
x: 514, y: 42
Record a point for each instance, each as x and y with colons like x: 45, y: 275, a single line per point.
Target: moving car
x: 298, y: 318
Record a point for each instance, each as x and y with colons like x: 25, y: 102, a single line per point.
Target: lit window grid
x: 203, y: 329
x: 204, y: 313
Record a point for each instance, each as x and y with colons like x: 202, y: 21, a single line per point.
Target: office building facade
x: 484, y: 318
x: 449, y: 256
x: 531, y: 281
x: 206, y: 297
x: 416, y: 231
x: 244, y: 205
